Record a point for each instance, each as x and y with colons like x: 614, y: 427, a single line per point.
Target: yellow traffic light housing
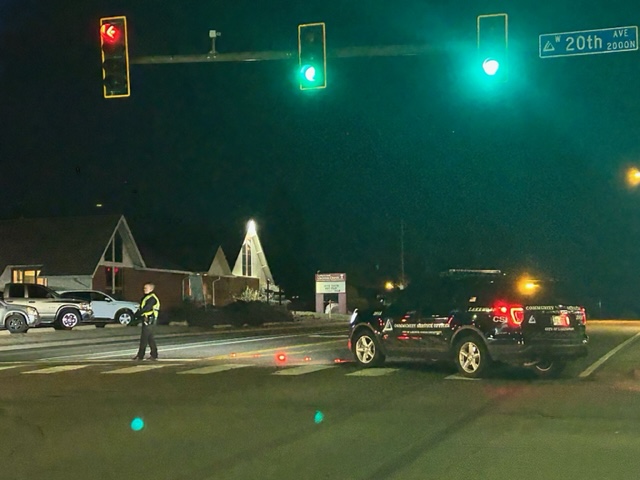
x: 114, y: 46
x: 312, y: 56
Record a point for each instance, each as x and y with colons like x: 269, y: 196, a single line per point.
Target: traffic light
x: 312, y: 56
x: 493, y: 45
x: 115, y: 57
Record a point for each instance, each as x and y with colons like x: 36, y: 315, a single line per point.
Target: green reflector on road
x: 137, y: 424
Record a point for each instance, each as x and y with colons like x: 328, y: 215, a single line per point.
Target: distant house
x: 96, y: 252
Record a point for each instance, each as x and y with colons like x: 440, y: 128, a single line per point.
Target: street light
x: 633, y: 177
x: 528, y: 286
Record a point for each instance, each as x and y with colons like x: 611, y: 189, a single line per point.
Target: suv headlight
x: 32, y: 312
x: 85, y: 306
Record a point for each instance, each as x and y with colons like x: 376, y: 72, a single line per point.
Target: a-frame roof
x: 259, y: 260
x: 62, y: 245
x: 220, y: 265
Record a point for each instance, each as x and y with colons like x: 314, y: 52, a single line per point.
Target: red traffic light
x: 110, y: 33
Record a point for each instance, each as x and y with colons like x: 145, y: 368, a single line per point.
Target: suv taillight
x: 582, y: 316
x: 514, y: 313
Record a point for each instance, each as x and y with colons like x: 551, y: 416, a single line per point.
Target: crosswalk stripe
x: 136, y: 369
x: 214, y: 369
x: 6, y: 367
x: 303, y: 369
x: 59, y: 368
x: 372, y: 372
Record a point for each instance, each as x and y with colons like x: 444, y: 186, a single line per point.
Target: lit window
x: 27, y: 275
x: 246, y: 260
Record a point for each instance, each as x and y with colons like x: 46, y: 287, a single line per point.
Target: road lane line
x: 58, y: 369
x: 214, y: 369
x: 607, y: 356
x: 6, y: 367
x: 286, y: 349
x: 136, y: 369
x: 372, y: 372
x: 319, y: 335
x: 303, y: 370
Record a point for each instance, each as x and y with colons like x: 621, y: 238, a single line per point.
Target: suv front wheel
x: 67, y: 319
x: 471, y: 357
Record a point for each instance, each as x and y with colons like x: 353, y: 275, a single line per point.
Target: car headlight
x: 354, y: 315
x: 85, y: 306
x: 32, y: 312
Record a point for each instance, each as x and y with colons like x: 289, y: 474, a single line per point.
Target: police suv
x: 475, y: 318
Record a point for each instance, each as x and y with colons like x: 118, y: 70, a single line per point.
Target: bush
x: 237, y: 314
x: 255, y: 313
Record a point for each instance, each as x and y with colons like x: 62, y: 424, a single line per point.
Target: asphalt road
x: 223, y: 406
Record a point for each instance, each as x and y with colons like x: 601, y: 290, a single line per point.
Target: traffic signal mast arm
x: 345, y: 52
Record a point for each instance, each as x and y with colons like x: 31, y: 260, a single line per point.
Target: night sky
x: 526, y: 176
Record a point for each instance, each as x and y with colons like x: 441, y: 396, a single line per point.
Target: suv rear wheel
x: 16, y: 323
x: 549, y: 368
x: 471, y: 357
x: 366, y: 349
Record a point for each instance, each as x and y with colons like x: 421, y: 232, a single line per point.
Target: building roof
x: 219, y: 265
x: 62, y: 245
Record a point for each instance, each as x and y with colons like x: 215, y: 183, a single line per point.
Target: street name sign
x: 588, y: 42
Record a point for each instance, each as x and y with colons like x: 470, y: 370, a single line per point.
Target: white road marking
x: 302, y: 370
x: 319, y: 335
x: 459, y: 377
x: 607, y: 356
x: 372, y: 372
x: 6, y: 367
x: 136, y: 369
x: 125, y: 351
x: 58, y: 369
x: 214, y: 369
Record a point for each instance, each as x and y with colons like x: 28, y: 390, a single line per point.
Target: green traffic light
x: 309, y: 73
x: 491, y: 66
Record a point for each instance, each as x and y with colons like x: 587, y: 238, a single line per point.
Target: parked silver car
x: 18, y: 319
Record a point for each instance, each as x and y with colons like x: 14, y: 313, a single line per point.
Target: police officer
x: 148, y: 314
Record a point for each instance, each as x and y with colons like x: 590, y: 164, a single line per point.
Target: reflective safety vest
x: 154, y: 310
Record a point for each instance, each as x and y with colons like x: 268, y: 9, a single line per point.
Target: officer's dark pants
x: 146, y: 337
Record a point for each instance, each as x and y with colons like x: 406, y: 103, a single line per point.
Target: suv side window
x: 98, y: 297
x: 78, y: 295
x: 38, y: 291
x: 16, y: 290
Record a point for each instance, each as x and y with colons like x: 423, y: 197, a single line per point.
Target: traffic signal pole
x: 346, y: 52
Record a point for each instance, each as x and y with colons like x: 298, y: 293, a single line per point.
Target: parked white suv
x: 106, y: 309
